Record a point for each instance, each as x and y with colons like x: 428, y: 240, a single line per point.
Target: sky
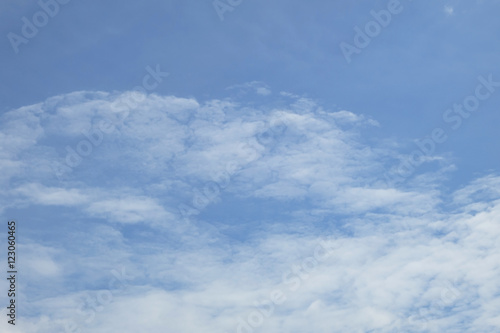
x: 251, y: 166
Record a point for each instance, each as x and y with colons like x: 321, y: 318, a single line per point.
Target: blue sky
x: 179, y: 165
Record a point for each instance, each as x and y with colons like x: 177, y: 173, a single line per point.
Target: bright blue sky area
x: 261, y: 148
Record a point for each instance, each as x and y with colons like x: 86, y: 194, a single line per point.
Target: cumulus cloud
x: 153, y: 207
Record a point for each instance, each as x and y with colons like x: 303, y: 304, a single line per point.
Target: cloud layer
x: 182, y: 215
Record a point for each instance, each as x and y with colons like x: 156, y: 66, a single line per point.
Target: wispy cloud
x: 449, y: 10
x: 260, y: 88
x: 405, y: 257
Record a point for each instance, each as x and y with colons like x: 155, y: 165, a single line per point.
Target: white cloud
x: 371, y: 282
x: 130, y: 209
x: 260, y: 88
x: 40, y: 261
x: 39, y: 194
x: 405, y: 256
